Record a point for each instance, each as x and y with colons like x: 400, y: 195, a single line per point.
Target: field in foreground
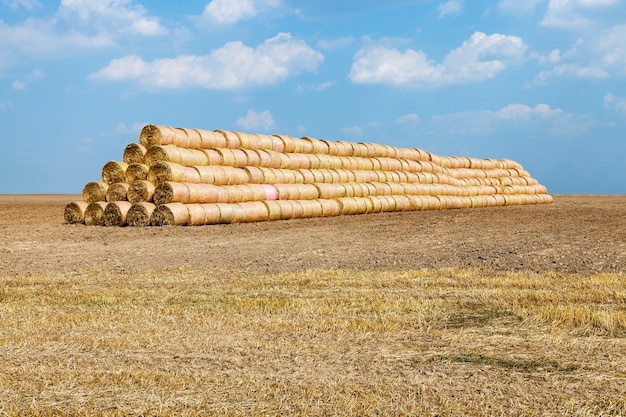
x: 505, y: 311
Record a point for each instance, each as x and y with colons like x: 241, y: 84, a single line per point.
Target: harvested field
x: 514, y: 310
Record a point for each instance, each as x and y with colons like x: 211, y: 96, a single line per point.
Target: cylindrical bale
x: 332, y: 146
x: 114, y: 171
x: 248, y: 140
x: 212, y: 213
x: 266, y: 141
x: 140, y: 190
x: 115, y: 213
x: 134, y: 153
x: 193, y: 157
x: 311, y: 208
x: 273, y: 210
x: 330, y: 207
x: 252, y: 211
x: 344, y: 148
x: 233, y: 157
x: 140, y: 214
x: 170, y: 214
x: 202, y: 193
x: 327, y: 191
x: 197, y: 214
x: 75, y: 212
x: 211, y: 140
x: 319, y: 146
x: 255, y: 175
x: 229, y: 194
x: 306, y: 176
x: 287, y: 191
x: 171, y: 192
x: 182, y: 140
x: 252, y: 157
x: 194, y: 140
x: 166, y: 171
x: 359, y: 150
x: 348, y: 206
x: 288, y: 143
x: 307, y: 191
x: 117, y: 192
x: 94, y: 213
x: 213, y: 157
x: 277, y: 144
x: 227, y: 212
x: 288, y: 209
x: 284, y: 176
x: 388, y: 203
x: 232, y: 140
x: 136, y: 171
x: 221, y: 175
x: 95, y: 191
x: 157, y: 135
x: 264, y: 158
x: 157, y: 153
x: 375, y: 203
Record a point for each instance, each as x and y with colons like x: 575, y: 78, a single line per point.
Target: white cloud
x: 34, y: 75
x: 256, y: 121
x: 25, y: 4
x: 232, y: 66
x: 575, y: 14
x: 354, y: 131
x: 410, y: 119
x: 614, y: 103
x: 229, y: 12
x: 542, y: 117
x: 450, y: 8
x: 315, y: 87
x: 479, y: 58
x: 517, y: 7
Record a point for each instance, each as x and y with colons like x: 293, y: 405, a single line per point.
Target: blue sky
x: 542, y: 82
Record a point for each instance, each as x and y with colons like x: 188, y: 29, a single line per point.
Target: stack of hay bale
x: 180, y: 176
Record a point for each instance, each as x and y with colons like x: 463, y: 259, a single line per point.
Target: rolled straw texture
x: 171, y: 192
x: 140, y: 190
x: 157, y: 135
x: 134, y: 153
x: 136, y: 171
x: 114, y: 171
x: 95, y: 191
x: 157, y: 153
x: 117, y: 192
x: 140, y: 213
x: 94, y: 214
x: 169, y: 171
x: 115, y: 213
x: 75, y: 212
x: 171, y: 214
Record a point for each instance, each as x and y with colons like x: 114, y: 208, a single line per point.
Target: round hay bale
x: 157, y: 153
x: 311, y: 208
x: 115, y: 213
x: 333, y: 149
x: 264, y: 158
x: 197, y: 214
x: 171, y: 192
x: 136, y: 171
x: 114, y: 171
x: 171, y: 214
x: 94, y: 213
x: 194, y: 140
x: 344, y: 148
x: 327, y: 191
x: 166, y: 171
x: 287, y: 191
x: 253, y: 211
x: 348, y: 205
x: 330, y: 207
x: 117, y: 192
x: 271, y: 193
x: 181, y: 140
x: 140, y: 213
x: 248, y: 140
x: 211, y: 214
x: 213, y: 157
x: 273, y: 210
x: 255, y: 175
x: 253, y: 157
x: 232, y: 140
x: 95, y: 191
x: 277, y: 144
x: 227, y: 212
x: 141, y: 190
x: 202, y: 193
x: 210, y: 140
x: 134, y: 153
x: 306, y: 176
x: 193, y: 157
x: 75, y: 212
x: 376, y: 203
x: 156, y: 135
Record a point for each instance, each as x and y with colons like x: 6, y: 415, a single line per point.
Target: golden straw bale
x: 197, y: 215
x: 75, y: 212
x: 157, y: 153
x: 252, y: 211
x: 114, y: 171
x: 311, y: 208
x: 287, y: 191
x: 192, y: 157
x: 140, y: 214
x: 171, y: 192
x: 117, y: 192
x: 95, y: 191
x: 194, y: 140
x: 157, y: 135
x: 141, y: 191
x: 248, y: 141
x: 167, y: 171
x: 136, y: 171
x: 252, y: 157
x: 330, y: 207
x: 171, y: 214
x: 222, y: 175
x: 94, y: 213
x: 134, y: 153
x: 232, y: 140
x: 115, y: 213
x: 318, y: 146
x: 273, y: 210
x: 210, y: 140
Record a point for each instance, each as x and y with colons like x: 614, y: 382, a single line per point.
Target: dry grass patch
x: 197, y: 342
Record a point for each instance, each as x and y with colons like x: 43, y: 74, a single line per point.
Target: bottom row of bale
x: 122, y: 213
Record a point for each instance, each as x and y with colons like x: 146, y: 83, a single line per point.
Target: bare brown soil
x: 583, y: 234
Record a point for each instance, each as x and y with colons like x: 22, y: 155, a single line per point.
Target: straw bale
x: 141, y: 191
x: 266, y: 141
x: 318, y: 146
x: 134, y: 153
x: 255, y: 175
x: 181, y: 140
x: 232, y: 140
x: 344, y: 148
x: 287, y: 191
x: 359, y: 150
x: 197, y: 215
x: 227, y: 212
x: 95, y: 191
x: 212, y: 213
x: 376, y: 203
x: 167, y: 171
x: 271, y: 193
x: 94, y: 213
x: 328, y: 191
x: 348, y: 206
x: 288, y: 176
x: 277, y: 144
x: 333, y: 148
x: 289, y: 143
x: 233, y: 157
x: 194, y: 140
x: 202, y: 193
x: 157, y: 153
x: 136, y: 171
x: 171, y: 214
x: 75, y: 212
x: 273, y: 210
x: 311, y: 208
x: 192, y: 157
x: 140, y: 214
x: 115, y: 213
x: 387, y: 203
x: 248, y: 140
x: 157, y: 135
x: 210, y: 140
x: 265, y: 158
x: 252, y: 157
x: 171, y: 192
x: 252, y: 211
x: 114, y: 171
x: 117, y: 192
x: 307, y: 176
x: 330, y: 207
x: 297, y: 209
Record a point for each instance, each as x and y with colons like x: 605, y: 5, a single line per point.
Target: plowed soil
x: 584, y: 234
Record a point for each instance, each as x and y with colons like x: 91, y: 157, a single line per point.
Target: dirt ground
x: 584, y: 234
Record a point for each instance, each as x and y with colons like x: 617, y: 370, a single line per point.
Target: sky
x: 542, y: 82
